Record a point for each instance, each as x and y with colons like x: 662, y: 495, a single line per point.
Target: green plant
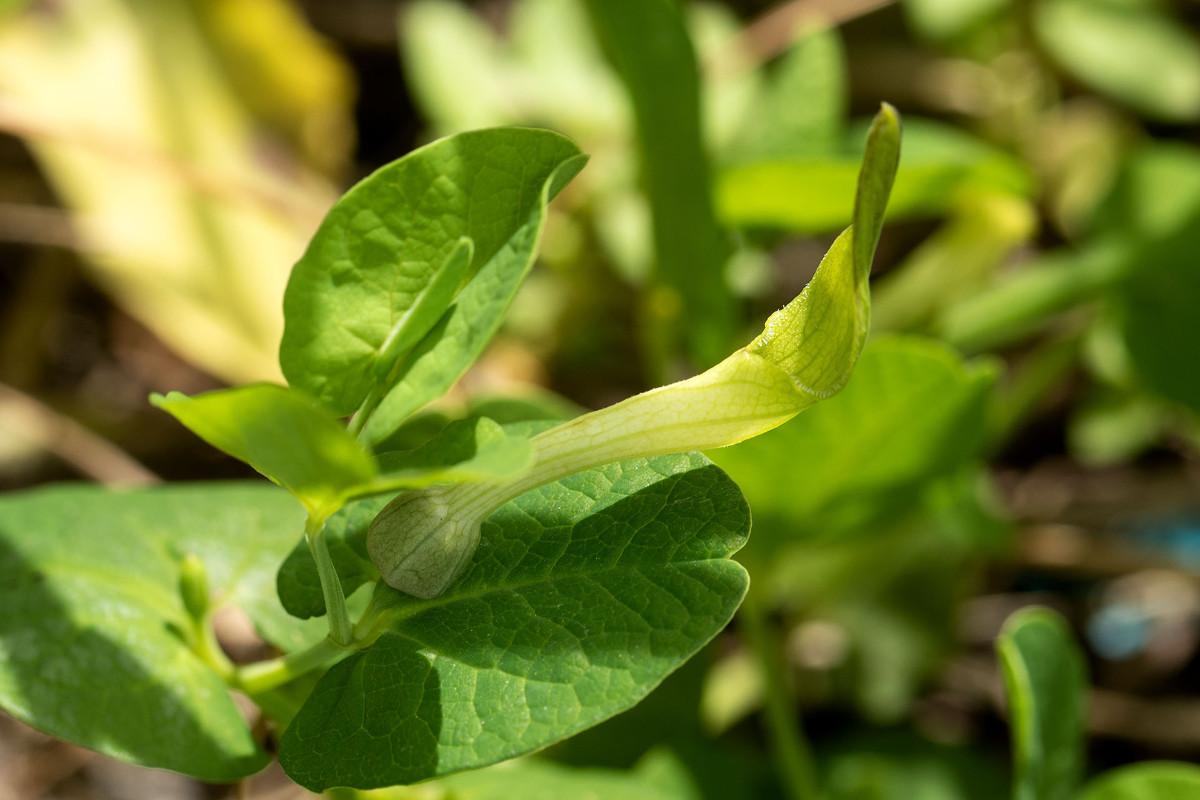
x: 543, y: 577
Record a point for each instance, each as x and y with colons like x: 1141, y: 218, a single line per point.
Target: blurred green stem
x: 790, y: 748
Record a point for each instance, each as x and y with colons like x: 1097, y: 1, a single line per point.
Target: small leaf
x: 946, y: 19
x: 282, y: 435
x: 93, y: 626
x: 1045, y: 681
x: 1150, y: 780
x: 583, y: 595
x: 383, y: 265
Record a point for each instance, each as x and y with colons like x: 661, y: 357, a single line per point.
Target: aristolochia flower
x: 422, y: 540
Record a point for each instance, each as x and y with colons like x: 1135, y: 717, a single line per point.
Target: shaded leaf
x: 92, y: 625
x: 582, y: 596
x: 1045, y: 682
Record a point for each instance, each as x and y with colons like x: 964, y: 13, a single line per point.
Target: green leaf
x: 1045, y: 681
x: 282, y: 435
x: 582, y: 596
x: 912, y: 412
x: 475, y: 449
x: 387, y: 246
x: 1161, y: 780
x: 648, y: 44
x: 1129, y: 51
x: 93, y: 626
x: 813, y: 194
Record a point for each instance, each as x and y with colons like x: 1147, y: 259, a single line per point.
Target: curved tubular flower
x: 422, y: 541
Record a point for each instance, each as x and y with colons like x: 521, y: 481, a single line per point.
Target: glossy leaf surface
x: 582, y: 596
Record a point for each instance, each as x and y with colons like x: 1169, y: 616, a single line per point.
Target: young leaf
x: 1045, y: 681
x: 648, y: 45
x: 422, y: 541
x: 282, y: 435
x: 587, y: 593
x: 93, y: 628
x: 1150, y: 780
x: 383, y: 266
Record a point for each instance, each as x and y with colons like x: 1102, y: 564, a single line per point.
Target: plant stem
x: 206, y: 647
x: 256, y: 679
x: 340, y: 629
x: 789, y: 747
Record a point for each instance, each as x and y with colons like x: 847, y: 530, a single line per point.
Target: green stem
x: 359, y: 421
x: 790, y: 748
x: 205, y: 645
x: 259, y: 678
x: 340, y: 629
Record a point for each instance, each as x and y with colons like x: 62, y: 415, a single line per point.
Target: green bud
x: 193, y: 586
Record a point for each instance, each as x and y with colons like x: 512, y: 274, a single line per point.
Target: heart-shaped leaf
x: 582, y: 596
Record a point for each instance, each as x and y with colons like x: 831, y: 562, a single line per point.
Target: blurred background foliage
x: 1022, y: 427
